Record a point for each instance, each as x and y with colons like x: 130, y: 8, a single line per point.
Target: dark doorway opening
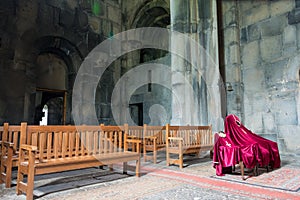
x: 136, y: 113
x: 55, y: 101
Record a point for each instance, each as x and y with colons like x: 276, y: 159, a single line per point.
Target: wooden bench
x: 182, y: 140
x: 136, y: 133
x: 9, y: 152
x: 48, y: 149
x: 154, y: 140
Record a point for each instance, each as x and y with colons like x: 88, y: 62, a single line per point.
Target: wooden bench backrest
x: 135, y: 131
x: 157, y: 131
x: 61, y: 141
x: 191, y: 135
x: 11, y: 134
x: 116, y: 137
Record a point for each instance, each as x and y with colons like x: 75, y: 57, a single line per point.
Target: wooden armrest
x: 175, y: 138
x: 28, y: 147
x: 8, y: 144
x: 133, y: 140
x: 150, y: 137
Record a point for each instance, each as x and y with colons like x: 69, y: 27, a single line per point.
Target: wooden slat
x: 41, y: 145
x: 120, y: 142
x: 64, y: 143
x: 77, y: 143
x: 101, y: 142
x: 95, y: 143
x: 49, y: 145
x: 105, y: 149
x: 16, y: 137
x: 34, y: 139
x: 60, y: 141
x: 71, y: 143
x: 56, y: 144
x: 82, y: 142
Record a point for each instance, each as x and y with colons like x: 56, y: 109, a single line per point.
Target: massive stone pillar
x: 195, y: 76
x: 25, y: 58
x: 234, y: 82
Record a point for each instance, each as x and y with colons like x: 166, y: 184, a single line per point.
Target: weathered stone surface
x: 281, y: 7
x: 285, y: 112
x: 289, y: 133
x: 228, y: 5
x: 253, y: 80
x: 269, y: 124
x: 234, y: 75
x: 231, y: 35
x: 273, y: 26
x: 234, y: 54
x: 254, y: 32
x: 113, y: 14
x: 270, y: 136
x: 255, y: 14
x: 289, y: 50
x: 244, y: 35
x: 104, y: 110
x: 270, y: 48
x: 230, y: 17
x: 274, y: 72
x: 250, y: 55
x: 294, y: 16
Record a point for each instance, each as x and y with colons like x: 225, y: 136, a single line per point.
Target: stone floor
x: 195, y: 181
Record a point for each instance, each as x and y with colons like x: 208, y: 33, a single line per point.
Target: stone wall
x: 261, y: 57
x: 68, y: 29
x: 268, y: 34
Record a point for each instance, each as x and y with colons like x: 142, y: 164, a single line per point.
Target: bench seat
x: 70, y: 163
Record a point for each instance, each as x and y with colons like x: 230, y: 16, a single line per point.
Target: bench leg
x: 256, y: 170
x: 242, y: 169
x: 8, y: 174
x: 30, y: 183
x: 168, y: 157
x: 154, y: 153
x: 124, y: 167
x: 29, y: 186
x: 20, y: 178
x: 138, y: 167
x: 6, y: 171
x: 180, y: 155
x: 144, y: 153
x: 181, y: 160
x: 111, y: 167
x: 1, y: 172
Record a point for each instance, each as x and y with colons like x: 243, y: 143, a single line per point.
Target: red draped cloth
x: 240, y: 144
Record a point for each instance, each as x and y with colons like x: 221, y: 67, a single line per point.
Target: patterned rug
x: 287, y: 178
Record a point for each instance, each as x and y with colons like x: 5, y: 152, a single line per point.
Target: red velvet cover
x: 240, y: 144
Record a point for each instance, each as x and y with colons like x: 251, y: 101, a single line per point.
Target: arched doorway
x: 57, y: 63
x: 51, y: 89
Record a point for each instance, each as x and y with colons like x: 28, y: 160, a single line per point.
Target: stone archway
x: 57, y: 64
x: 154, y: 13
